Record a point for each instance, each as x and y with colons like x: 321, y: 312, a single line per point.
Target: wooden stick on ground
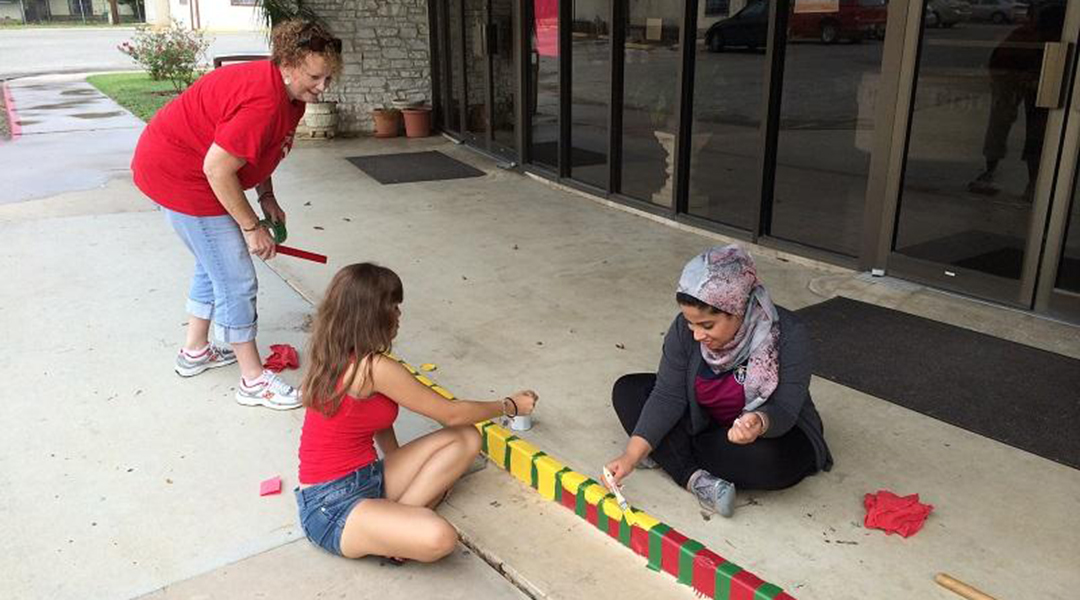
x: 960, y: 588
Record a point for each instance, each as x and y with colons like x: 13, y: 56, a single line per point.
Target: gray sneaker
x: 647, y: 463
x: 713, y: 493
x: 271, y: 391
x: 214, y: 357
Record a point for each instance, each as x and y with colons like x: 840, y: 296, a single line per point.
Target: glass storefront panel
x: 476, y: 66
x: 590, y: 91
x: 502, y: 74
x: 1068, y: 276
x: 650, y: 96
x: 454, y: 67
x: 544, y: 82
x: 725, y: 146
x: 831, y: 72
x: 976, y: 139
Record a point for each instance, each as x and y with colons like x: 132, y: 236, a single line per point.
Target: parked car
x: 998, y: 12
x: 852, y: 20
x: 946, y: 13
x: 747, y: 28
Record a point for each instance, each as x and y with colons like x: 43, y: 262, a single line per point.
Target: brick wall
x: 386, y: 54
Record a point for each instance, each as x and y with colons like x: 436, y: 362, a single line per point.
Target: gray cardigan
x: 788, y: 406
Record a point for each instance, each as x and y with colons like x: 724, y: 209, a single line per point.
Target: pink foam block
x: 270, y: 486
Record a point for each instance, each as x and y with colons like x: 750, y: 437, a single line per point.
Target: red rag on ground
x: 895, y: 514
x: 282, y: 356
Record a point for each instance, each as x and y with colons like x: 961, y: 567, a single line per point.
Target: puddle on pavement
x: 98, y: 115
x: 80, y: 92
x: 58, y: 105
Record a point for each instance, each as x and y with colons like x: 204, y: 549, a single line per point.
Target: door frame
x: 888, y: 178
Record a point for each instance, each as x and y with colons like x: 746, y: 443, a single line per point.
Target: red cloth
x: 282, y: 356
x: 885, y: 510
x: 332, y: 447
x: 244, y: 108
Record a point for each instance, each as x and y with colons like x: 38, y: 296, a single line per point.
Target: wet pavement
x: 72, y: 138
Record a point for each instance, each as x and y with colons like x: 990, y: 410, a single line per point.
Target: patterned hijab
x: 724, y: 277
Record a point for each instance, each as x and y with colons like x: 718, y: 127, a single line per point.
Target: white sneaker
x: 212, y: 357
x: 270, y: 391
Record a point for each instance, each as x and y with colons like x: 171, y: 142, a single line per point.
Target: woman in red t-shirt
x: 351, y: 503
x: 223, y: 135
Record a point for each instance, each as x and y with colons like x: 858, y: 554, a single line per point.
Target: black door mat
x: 411, y: 167
x: 548, y: 154
x: 1019, y: 395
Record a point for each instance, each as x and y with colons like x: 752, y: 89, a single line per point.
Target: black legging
x: 766, y: 464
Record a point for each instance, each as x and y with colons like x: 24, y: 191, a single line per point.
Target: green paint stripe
x: 724, y: 573
x: 581, y: 506
x: 687, y: 552
x: 656, y: 545
x: 534, y: 473
x: 484, y: 436
x: 558, y: 483
x: 624, y: 532
x: 601, y: 516
x: 506, y: 452
x: 767, y: 591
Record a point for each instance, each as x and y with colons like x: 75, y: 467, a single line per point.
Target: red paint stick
x: 304, y: 254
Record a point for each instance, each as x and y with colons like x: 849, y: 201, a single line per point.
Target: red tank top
x: 332, y: 447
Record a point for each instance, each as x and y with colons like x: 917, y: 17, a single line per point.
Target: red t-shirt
x: 243, y: 108
x: 332, y: 447
x: 721, y: 395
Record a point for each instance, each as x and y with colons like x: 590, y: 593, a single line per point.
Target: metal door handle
x: 1052, y: 76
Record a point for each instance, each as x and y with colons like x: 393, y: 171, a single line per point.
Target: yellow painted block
x: 546, y: 468
x: 424, y: 380
x: 497, y: 449
x: 644, y: 520
x: 571, y: 480
x: 521, y: 453
x: 594, y: 493
x: 443, y: 392
x: 612, y: 510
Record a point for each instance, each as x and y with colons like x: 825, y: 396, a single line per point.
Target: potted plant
x: 387, y: 122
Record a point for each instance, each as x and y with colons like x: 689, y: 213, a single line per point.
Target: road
x: 25, y: 52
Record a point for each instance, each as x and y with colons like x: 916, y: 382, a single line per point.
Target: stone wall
x: 386, y: 53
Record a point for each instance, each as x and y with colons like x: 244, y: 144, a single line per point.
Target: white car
x: 998, y: 12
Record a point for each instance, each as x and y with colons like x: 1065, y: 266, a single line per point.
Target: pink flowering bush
x: 172, y: 53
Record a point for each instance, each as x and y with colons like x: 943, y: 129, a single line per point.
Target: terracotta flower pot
x: 387, y: 122
x: 417, y: 121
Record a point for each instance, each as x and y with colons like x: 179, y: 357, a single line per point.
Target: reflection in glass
x: 453, y: 62
x: 827, y: 124
x: 651, y: 58
x: 1068, y: 277
x: 502, y: 74
x: 975, y: 144
x: 475, y: 68
x: 591, y: 54
x: 543, y: 84
x: 726, y: 141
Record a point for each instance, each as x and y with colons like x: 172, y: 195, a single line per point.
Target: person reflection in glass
x: 1014, y: 79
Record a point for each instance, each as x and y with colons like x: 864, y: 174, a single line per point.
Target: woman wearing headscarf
x: 730, y: 403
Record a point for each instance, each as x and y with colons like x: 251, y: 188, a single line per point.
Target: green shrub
x: 171, y: 54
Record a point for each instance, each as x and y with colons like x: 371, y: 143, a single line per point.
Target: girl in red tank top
x: 352, y: 503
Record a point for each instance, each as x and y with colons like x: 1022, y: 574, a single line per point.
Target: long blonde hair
x: 356, y: 320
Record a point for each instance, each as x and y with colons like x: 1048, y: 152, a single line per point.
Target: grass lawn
x: 135, y: 92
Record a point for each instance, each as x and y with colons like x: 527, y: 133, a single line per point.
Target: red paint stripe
x: 669, y: 551
x: 639, y: 541
x: 743, y: 585
x: 705, y: 563
x: 613, y: 527
x: 12, y: 116
x: 784, y: 596
x: 569, y: 500
x: 590, y: 513
x: 304, y: 254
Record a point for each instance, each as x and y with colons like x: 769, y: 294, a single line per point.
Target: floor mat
x: 1019, y: 395
x: 411, y: 167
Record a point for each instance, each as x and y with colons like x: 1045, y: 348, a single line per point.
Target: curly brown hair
x: 289, y: 44
x: 357, y: 319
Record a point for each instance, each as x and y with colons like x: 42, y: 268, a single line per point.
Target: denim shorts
x: 223, y: 287
x: 325, y: 507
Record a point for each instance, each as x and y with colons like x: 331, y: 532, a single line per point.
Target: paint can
x: 520, y: 423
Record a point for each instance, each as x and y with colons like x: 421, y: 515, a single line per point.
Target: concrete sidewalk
x: 128, y: 480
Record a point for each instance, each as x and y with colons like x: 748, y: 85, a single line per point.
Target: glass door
x: 984, y: 133
x: 488, y: 74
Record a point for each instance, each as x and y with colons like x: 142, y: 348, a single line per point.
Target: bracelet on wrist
x: 512, y: 403
x: 265, y: 195
x: 254, y: 227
